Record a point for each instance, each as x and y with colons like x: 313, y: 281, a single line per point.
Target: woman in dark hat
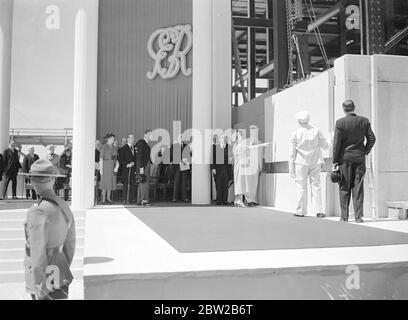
x: 109, y: 156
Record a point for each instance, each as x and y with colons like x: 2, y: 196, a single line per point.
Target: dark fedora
x: 43, y: 168
x: 336, y: 176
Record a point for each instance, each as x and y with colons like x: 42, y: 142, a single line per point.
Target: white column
x: 222, y: 64
x: 211, y: 86
x: 202, y: 99
x: 6, y: 23
x: 85, y: 90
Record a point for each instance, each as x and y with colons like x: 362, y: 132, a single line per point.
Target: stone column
x: 6, y: 26
x: 211, y: 86
x: 85, y: 89
x: 222, y: 64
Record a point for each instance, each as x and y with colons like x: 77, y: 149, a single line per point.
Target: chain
x: 290, y: 33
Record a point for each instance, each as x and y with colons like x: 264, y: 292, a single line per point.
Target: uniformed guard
x: 50, y: 238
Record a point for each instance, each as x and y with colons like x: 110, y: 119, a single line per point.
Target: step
x: 20, y: 242
x: 19, y: 253
x: 13, y: 214
x: 19, y: 233
x: 19, y: 223
x: 21, y: 214
x: 18, y: 264
x: 18, y: 276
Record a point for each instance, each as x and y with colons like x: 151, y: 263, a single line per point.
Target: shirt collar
x: 351, y: 115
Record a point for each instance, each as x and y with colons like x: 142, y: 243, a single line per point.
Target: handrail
x: 27, y: 131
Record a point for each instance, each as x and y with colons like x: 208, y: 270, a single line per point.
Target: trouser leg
x: 5, y: 187
x: 253, y: 181
x: 224, y: 185
x: 144, y: 188
x: 218, y: 184
x: 147, y: 184
x: 125, y: 179
x: 345, y: 189
x: 358, y: 189
x: 34, y: 194
x: 66, y: 194
x: 301, y: 184
x: 14, y: 185
x: 315, y: 185
x: 177, y: 177
x: 184, y: 178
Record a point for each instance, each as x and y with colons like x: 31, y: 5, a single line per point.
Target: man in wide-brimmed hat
x: 50, y: 238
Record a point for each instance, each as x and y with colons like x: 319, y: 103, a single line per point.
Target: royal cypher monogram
x: 168, y: 42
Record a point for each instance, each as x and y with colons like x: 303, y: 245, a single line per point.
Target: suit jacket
x: 220, y: 156
x: 11, y: 162
x: 126, y: 156
x: 28, y: 162
x: 349, y: 139
x: 176, y: 151
x: 143, y: 153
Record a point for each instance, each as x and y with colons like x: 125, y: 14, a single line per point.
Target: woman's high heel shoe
x: 239, y: 204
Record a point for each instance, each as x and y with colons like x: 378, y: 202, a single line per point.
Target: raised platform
x: 227, y: 253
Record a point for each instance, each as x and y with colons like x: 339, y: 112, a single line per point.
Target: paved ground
x: 11, y: 217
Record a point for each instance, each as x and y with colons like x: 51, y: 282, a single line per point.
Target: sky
x: 42, y: 65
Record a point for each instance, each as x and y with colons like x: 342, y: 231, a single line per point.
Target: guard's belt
x: 50, y: 252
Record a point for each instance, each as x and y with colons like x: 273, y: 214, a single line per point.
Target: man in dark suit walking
x: 128, y: 160
x: 143, y: 169
x: 349, y: 154
x: 11, y: 167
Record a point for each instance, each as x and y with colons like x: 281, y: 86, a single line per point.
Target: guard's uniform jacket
x: 50, y: 243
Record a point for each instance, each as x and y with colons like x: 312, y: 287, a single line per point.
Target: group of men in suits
x: 135, y: 164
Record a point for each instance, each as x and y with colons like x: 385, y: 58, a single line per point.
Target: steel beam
x: 280, y: 44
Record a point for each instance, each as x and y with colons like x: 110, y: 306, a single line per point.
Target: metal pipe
x: 335, y: 10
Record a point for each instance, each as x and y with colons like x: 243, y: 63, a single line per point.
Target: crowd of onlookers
x: 10, y: 167
x: 130, y: 170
